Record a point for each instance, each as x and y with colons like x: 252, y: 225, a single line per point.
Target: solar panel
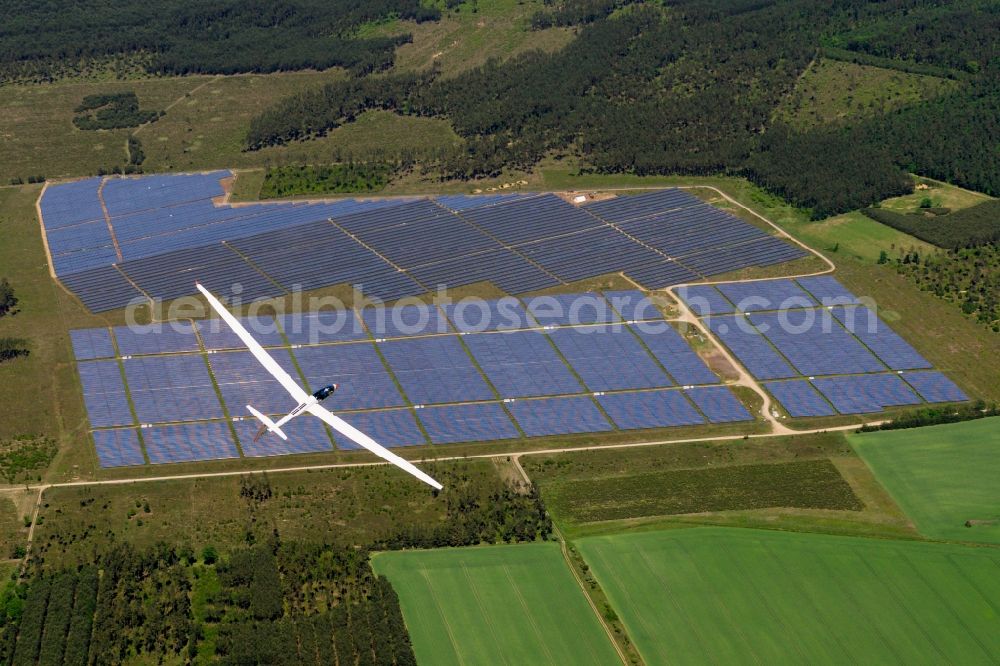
x: 477, y: 315
x: 173, y: 336
x: 118, y: 448
x: 661, y: 274
x: 391, y: 428
x: 522, y: 364
x: 827, y: 290
x: 625, y: 208
x: 894, y: 351
x: 91, y: 343
x: 799, y: 398
x: 766, y: 295
x: 310, y: 328
x: 571, y: 309
x: 104, y: 394
x: 858, y: 394
x: 634, y: 305
x: 189, y: 442
x: 464, y: 202
x: 530, y: 219
x: 674, y: 353
x: 306, y: 434
x: 719, y: 404
x: 357, y: 369
x: 505, y: 269
x: 435, y: 370
x: 216, y: 334
x: 588, y: 253
x: 705, y: 300
x: 750, y: 347
x: 405, y: 320
x: 558, y: 416
x: 425, y: 240
x: 815, y: 343
x: 171, y: 388
x: 935, y: 387
x: 102, y: 289
x: 467, y: 423
x: 609, y: 358
x: 243, y: 381
x: 649, y: 409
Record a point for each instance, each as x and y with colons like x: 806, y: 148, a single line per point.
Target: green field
x: 495, y: 605
x: 834, y: 90
x: 941, y: 475
x: 713, y: 595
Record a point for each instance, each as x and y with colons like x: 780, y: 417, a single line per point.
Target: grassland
x: 495, y: 604
x: 472, y: 34
x: 959, y: 347
x: 834, y: 90
x: 748, y: 596
x: 340, y: 507
x: 942, y: 476
x: 808, y: 482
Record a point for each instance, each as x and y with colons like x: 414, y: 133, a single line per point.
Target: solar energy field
x: 177, y: 394
x: 114, y: 239
x: 819, y: 350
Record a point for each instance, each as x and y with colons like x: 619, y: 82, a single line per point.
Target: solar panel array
x: 718, y: 404
x: 189, y: 442
x: 118, y: 448
x: 558, y: 416
x: 163, y: 232
x: 815, y: 328
x: 176, y: 375
x: 649, y: 409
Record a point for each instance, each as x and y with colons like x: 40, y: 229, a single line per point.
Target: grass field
x: 807, y: 482
x: 964, y: 350
x: 834, y: 90
x: 472, y: 34
x: 941, y: 475
x: 726, y: 596
x: 495, y: 605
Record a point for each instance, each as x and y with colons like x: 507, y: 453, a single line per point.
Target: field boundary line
x: 483, y: 612
x: 516, y: 460
x: 527, y: 613
x: 444, y: 618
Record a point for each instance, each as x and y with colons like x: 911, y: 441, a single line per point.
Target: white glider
x: 307, y: 403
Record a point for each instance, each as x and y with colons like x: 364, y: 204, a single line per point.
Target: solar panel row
x: 118, y: 448
x: 705, y: 300
x: 750, y: 347
x: 859, y: 394
x: 800, y: 398
x: 935, y: 387
x: 567, y: 309
x: 877, y: 336
x: 815, y: 343
x: 91, y: 343
x: 608, y: 358
x: 719, y: 404
x: 521, y: 364
x: 633, y: 305
x: 169, y: 230
x: 766, y: 295
x: 649, y: 409
x: 675, y: 354
x: 189, y: 442
x: 104, y: 394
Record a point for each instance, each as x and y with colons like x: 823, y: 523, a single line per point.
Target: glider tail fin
x: 268, y: 424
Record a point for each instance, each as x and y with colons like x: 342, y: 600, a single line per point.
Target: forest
x: 289, y: 181
x: 689, y: 87
x: 266, y: 599
x: 112, y: 111
x: 968, y: 227
x: 191, y: 36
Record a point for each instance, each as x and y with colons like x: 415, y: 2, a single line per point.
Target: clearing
x: 494, y: 605
x: 941, y: 476
x: 715, y: 595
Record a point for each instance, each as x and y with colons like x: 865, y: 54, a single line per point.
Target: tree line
x: 192, y: 36
x: 968, y: 227
x: 691, y: 89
